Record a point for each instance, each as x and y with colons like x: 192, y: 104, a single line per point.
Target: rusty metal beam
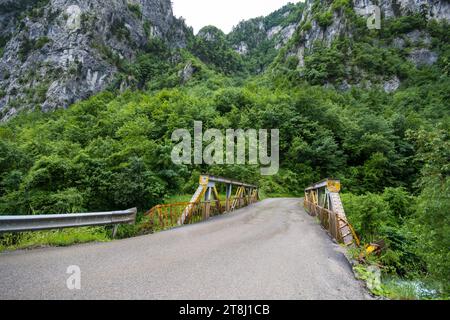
x: 204, y: 203
x: 322, y: 199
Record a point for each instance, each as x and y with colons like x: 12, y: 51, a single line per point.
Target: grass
x: 397, y: 288
x: 186, y: 198
x: 400, y: 291
x: 178, y: 198
x: 57, y: 238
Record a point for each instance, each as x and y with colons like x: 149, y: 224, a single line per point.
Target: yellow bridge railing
x: 322, y: 200
x: 204, y: 204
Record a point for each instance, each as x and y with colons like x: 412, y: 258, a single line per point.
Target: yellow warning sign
x: 204, y: 180
x: 334, y: 186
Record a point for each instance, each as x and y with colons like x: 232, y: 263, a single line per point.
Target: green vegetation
x: 324, y: 19
x: 29, y: 45
x: 3, y: 41
x: 391, y: 150
x: 261, y: 50
x: 369, y: 56
x: 178, y: 198
x: 120, y: 30
x: 19, y: 6
x: 136, y: 9
x: 60, y: 238
x: 340, y: 4
x: 211, y: 47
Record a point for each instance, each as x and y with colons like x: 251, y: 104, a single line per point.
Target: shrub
x: 41, y: 42
x: 367, y: 214
x: 28, y: 45
x: 119, y: 30
x: 324, y: 19
x: 405, y: 24
x: 340, y: 4
x: 135, y: 9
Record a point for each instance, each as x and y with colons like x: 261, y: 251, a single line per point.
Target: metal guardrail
x: 10, y: 224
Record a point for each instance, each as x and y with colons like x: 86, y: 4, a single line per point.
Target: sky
x: 223, y: 14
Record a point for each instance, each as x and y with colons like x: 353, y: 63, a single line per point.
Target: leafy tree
x: 433, y: 225
x: 211, y: 47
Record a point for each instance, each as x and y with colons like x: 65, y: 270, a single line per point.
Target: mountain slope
x: 369, y: 107
x: 334, y: 46
x: 211, y: 46
x: 258, y: 40
x: 56, y: 52
x: 251, y: 46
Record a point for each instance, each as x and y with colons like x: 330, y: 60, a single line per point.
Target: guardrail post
x: 114, y: 233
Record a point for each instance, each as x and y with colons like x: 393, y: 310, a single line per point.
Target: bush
x: 340, y: 4
x: 368, y: 214
x: 324, y: 19
x: 29, y: 45
x: 136, y: 9
x: 401, y: 203
x: 41, y: 42
x: 119, y: 30
x: 405, y: 24
x: 321, y: 66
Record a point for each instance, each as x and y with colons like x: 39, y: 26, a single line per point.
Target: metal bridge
x: 243, y: 249
x: 204, y: 204
x: 321, y: 199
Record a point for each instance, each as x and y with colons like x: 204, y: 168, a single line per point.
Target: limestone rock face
x: 187, y: 72
x: 436, y: 9
x: 60, y: 51
x: 261, y: 38
x: 391, y: 85
x: 423, y: 57
x: 339, y: 25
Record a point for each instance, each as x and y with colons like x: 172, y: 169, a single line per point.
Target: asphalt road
x: 270, y: 250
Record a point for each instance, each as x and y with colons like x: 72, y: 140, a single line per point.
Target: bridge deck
x: 270, y: 250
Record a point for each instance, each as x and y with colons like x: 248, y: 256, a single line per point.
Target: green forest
x: 391, y: 151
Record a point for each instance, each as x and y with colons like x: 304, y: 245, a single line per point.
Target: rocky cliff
x: 342, y: 26
x: 325, y: 21
x: 55, y: 52
x: 260, y: 39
